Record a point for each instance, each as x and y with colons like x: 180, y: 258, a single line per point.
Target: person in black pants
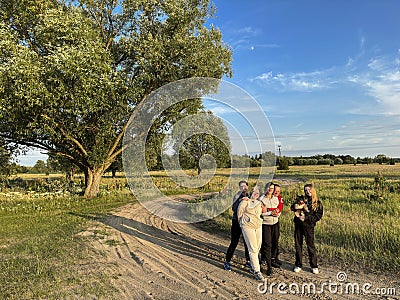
x: 304, y: 227
x: 276, y: 263
x: 269, y: 226
x: 236, y: 230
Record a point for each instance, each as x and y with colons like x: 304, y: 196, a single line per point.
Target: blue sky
x: 326, y: 73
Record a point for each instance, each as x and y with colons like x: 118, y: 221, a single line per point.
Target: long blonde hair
x: 314, y: 198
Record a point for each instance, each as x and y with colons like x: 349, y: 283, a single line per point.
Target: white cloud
x: 397, y: 60
x: 248, y: 30
x: 358, y: 138
x: 247, y: 44
x: 387, y: 92
x: 264, y: 76
x: 350, y: 61
x: 219, y: 110
x: 369, y: 82
x: 295, y: 81
x: 382, y: 83
x: 378, y: 77
x: 304, y: 85
x: 380, y: 80
x: 244, y: 39
x: 302, y: 138
x: 377, y: 64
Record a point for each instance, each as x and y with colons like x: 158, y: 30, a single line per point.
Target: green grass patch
x: 40, y: 248
x: 360, y: 225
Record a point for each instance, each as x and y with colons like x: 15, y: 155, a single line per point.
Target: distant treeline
x: 283, y: 162
x: 238, y: 161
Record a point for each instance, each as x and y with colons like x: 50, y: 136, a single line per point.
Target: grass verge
x: 41, y: 252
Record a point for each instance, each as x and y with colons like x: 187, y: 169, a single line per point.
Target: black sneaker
x: 269, y: 272
x: 263, y: 263
x: 278, y: 261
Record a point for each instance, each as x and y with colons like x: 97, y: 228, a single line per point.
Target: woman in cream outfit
x: 249, y: 215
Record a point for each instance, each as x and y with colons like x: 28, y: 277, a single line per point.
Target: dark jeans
x: 269, y: 245
x: 301, y: 230
x: 275, y: 241
x: 236, y: 232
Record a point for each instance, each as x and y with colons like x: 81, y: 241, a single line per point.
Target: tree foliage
x: 282, y: 162
x: 381, y: 159
x: 40, y: 167
x: 6, y: 166
x: 73, y: 72
x: 203, y: 142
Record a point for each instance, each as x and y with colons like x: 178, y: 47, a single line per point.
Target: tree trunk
x: 92, y: 182
x: 69, y: 176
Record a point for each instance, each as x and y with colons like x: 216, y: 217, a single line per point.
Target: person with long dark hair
x: 304, y: 224
x: 276, y: 263
x: 269, y: 225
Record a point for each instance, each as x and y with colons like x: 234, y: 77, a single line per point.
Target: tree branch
x: 119, y: 151
x: 67, y: 136
x: 65, y: 155
x: 28, y: 143
x: 121, y: 134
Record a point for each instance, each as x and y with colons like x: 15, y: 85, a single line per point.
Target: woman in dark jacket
x: 304, y: 226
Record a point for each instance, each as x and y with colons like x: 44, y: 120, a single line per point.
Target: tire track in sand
x: 157, y: 259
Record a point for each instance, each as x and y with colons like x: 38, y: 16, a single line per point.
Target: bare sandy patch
x: 147, y: 257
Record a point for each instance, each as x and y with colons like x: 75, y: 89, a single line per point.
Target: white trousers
x: 253, y: 238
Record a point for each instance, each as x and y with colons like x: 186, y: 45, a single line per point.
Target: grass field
x: 40, y: 245
x: 41, y: 250
x: 361, y: 222
x: 355, y: 229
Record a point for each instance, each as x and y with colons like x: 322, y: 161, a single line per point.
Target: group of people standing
x: 256, y: 216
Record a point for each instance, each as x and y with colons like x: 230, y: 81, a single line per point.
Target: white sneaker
x: 315, y: 270
x: 297, y: 269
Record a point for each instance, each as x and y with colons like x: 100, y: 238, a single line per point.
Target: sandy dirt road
x: 151, y: 258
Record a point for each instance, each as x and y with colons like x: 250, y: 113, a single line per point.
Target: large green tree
x: 201, y: 142
x: 73, y: 72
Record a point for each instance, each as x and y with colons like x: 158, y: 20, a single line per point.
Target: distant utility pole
x: 279, y: 149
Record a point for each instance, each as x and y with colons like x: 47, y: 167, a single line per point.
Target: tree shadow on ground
x: 207, y: 251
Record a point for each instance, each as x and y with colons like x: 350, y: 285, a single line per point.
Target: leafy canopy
x: 73, y: 72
